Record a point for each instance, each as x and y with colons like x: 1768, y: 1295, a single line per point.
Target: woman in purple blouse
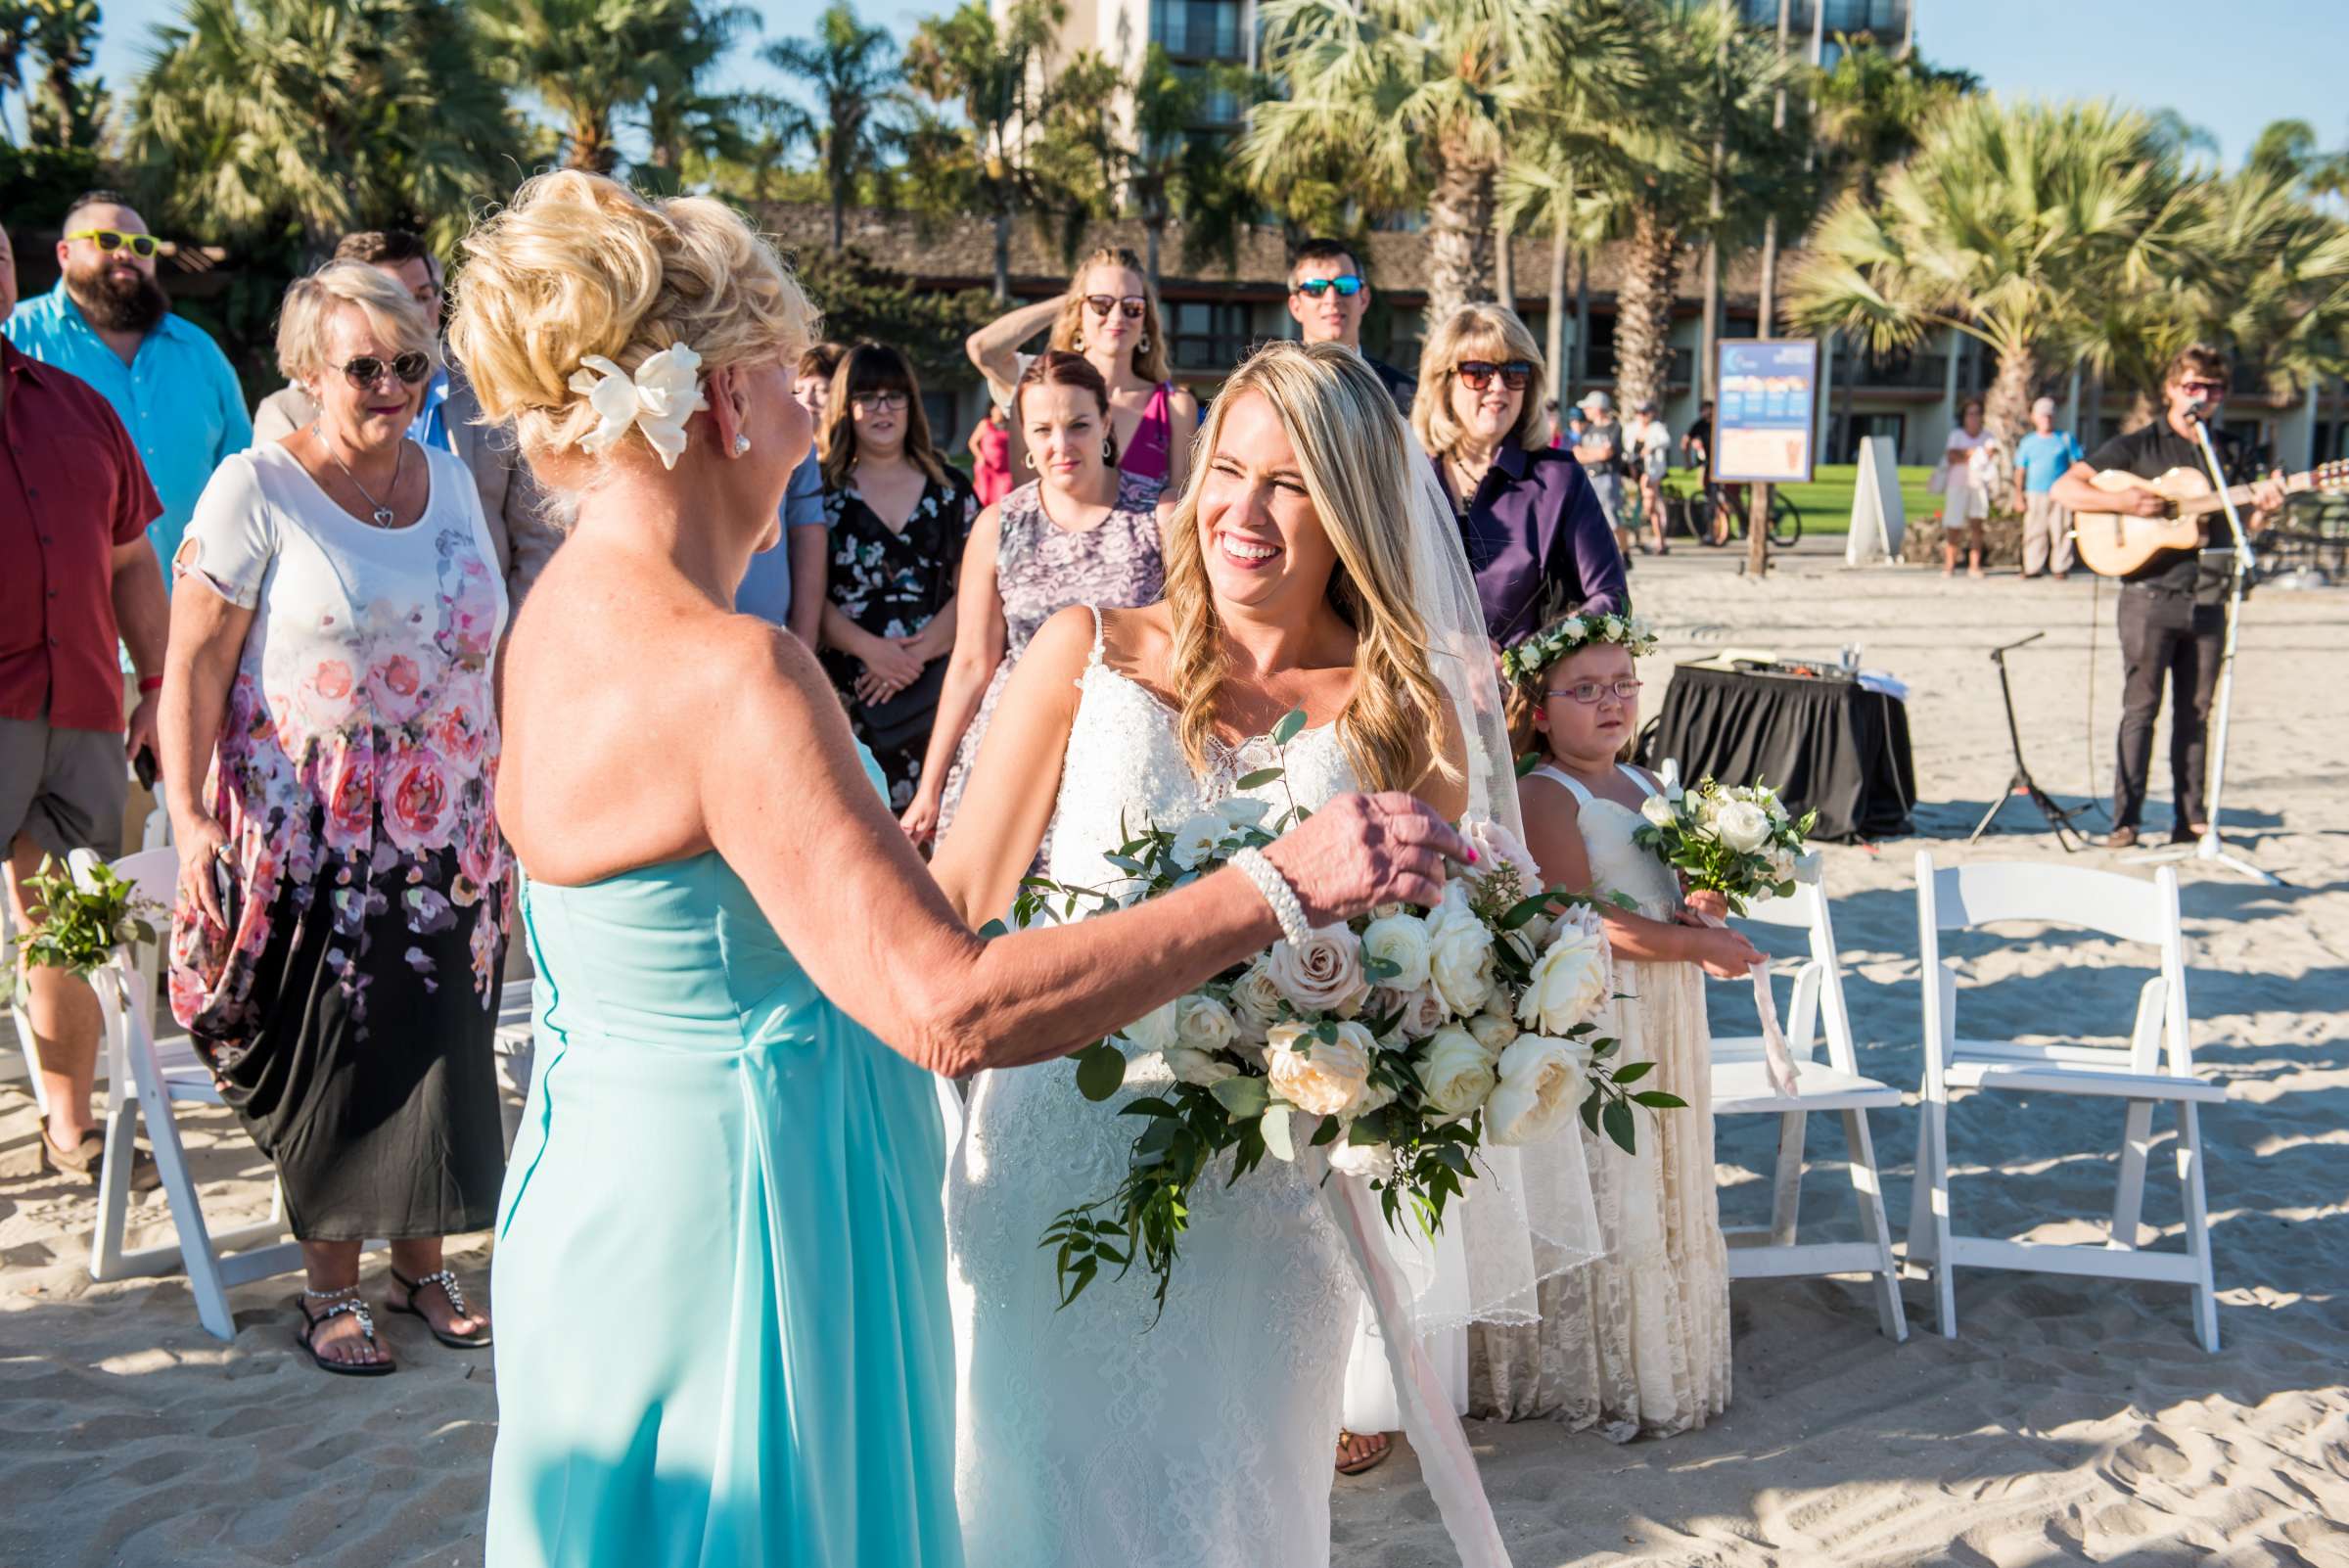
x: 1537, y: 538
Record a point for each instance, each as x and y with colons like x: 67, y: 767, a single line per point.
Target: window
x: 1198, y: 29
x: 1209, y: 335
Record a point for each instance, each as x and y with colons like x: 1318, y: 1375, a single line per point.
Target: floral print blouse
x: 357, y: 763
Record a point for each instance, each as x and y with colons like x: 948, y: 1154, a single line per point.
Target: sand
x: 2071, y: 1420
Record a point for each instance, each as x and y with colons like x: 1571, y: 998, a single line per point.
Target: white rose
x: 1197, y: 1066
x: 1461, y: 960
x: 1372, y: 1162
x: 1318, y: 1077
x: 1322, y: 976
x: 1657, y: 810
x: 1576, y: 628
x: 1542, y: 1082
x: 1569, y: 981
x: 1456, y: 1074
x: 1781, y: 864
x: 1153, y: 1030
x: 1743, y: 826
x: 1202, y: 1024
x: 1400, y: 940
x: 1197, y: 839
x: 1493, y: 1030
x: 1256, y: 1000
x: 1240, y: 811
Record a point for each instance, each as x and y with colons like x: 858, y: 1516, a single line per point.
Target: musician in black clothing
x: 2173, y: 608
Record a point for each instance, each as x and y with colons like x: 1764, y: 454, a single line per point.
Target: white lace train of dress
x: 1636, y: 1344
x: 1090, y: 1437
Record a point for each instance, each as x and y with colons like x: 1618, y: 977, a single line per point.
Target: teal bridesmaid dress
x: 723, y: 1338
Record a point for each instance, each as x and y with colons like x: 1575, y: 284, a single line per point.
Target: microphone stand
x: 2209, y: 847
x: 2059, y: 817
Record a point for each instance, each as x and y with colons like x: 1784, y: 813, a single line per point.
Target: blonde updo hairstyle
x: 1356, y: 461
x: 1482, y: 331
x: 579, y: 265
x: 311, y: 304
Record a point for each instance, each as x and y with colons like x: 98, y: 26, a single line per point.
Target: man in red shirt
x: 77, y: 574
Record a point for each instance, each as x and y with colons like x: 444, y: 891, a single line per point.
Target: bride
x: 1202, y: 1438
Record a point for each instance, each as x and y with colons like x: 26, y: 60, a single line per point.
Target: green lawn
x: 1826, y: 501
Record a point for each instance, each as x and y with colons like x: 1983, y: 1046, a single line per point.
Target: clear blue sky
x: 2228, y: 66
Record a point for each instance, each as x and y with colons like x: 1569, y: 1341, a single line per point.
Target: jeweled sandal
x: 339, y: 1302
x: 446, y: 1279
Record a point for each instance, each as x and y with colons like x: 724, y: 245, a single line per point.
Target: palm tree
x: 996, y: 76
x: 68, y: 106
x: 2288, y: 148
x: 16, y: 37
x: 1175, y: 171
x: 683, y: 117
x: 1706, y: 163
x: 1873, y: 108
x: 2014, y: 224
x: 1427, y: 95
x: 589, y: 62
x: 854, y: 70
x: 258, y: 118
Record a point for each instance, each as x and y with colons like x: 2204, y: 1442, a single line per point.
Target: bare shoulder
x: 1137, y: 640
x: 1554, y: 799
x: 1183, y: 405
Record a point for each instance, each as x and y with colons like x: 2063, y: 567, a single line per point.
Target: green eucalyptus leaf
x: 1327, y: 1133
x: 1275, y: 1124
x: 1244, y: 1097
x: 1291, y: 722
x: 1258, y: 779
x: 1632, y: 1071
x: 1100, y: 1071
x: 1617, y: 1119
x: 1660, y: 1100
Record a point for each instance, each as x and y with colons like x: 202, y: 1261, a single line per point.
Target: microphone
x: 2198, y: 410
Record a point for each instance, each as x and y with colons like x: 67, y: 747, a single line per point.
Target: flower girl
x: 1638, y: 1343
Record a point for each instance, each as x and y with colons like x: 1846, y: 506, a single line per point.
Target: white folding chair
x: 1741, y: 1087
x: 144, y: 1081
x: 19, y: 1014
x: 2155, y: 1066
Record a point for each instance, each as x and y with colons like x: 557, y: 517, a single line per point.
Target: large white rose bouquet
x: 1401, y: 1042
x: 1741, y: 843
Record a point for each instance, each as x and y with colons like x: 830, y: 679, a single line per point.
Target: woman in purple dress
x: 1085, y: 531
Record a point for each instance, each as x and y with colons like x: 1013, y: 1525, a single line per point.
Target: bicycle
x: 1690, y: 505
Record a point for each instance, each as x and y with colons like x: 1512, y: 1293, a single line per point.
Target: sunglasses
x: 1314, y: 288
x: 2203, y: 389
x: 1587, y: 692
x: 141, y: 245
x: 878, y: 402
x: 1478, y: 373
x: 366, y: 370
x: 1101, y: 304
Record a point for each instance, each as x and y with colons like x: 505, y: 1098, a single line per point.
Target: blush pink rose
x: 396, y: 690
x: 347, y: 781
x: 480, y: 857
x: 419, y: 802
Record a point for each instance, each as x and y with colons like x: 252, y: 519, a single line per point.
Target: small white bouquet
x: 1741, y: 843
x: 1406, y: 1040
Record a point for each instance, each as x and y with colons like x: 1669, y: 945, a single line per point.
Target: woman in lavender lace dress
x: 1081, y: 533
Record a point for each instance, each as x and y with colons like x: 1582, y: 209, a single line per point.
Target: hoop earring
x: 1030, y: 459
x: 1142, y: 345
x: 1109, y: 451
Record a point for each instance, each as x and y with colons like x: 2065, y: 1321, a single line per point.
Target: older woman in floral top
x: 330, y: 745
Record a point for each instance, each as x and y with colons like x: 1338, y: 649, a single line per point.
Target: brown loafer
x: 2121, y: 838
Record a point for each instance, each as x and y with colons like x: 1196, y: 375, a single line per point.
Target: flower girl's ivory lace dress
x: 1089, y: 1437
x: 1638, y: 1344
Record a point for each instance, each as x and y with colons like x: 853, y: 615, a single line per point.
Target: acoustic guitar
x: 2117, y: 543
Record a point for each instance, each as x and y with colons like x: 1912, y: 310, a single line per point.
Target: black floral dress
x: 891, y: 584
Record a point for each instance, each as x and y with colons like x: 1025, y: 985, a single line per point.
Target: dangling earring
x: 1109, y: 451
x: 1142, y: 347
x: 742, y: 445
x: 1030, y: 460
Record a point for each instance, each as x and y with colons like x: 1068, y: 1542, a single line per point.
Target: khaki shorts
x: 63, y: 788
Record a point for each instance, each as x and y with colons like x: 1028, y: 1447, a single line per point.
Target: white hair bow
x: 664, y: 393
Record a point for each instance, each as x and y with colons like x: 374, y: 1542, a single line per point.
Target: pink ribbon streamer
x: 1775, y: 1056
x: 1428, y: 1418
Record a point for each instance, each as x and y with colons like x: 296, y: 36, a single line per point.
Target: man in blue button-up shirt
x: 108, y: 322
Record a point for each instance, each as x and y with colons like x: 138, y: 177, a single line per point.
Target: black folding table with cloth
x: 1823, y: 742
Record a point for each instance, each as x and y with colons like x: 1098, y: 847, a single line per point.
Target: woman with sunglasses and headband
x: 330, y: 749
x: 1536, y: 537
x: 1111, y: 315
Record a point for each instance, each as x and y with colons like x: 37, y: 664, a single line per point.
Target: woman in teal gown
x: 723, y: 1338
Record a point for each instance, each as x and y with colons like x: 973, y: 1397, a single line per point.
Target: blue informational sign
x: 1766, y: 409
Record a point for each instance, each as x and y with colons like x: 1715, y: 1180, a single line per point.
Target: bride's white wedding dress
x: 1092, y: 1436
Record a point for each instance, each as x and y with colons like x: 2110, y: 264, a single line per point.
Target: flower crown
x: 665, y: 392
x: 1555, y: 642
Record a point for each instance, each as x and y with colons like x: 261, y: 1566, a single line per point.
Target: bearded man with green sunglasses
x: 109, y: 322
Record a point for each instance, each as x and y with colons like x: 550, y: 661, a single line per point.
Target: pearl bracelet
x: 1278, y: 893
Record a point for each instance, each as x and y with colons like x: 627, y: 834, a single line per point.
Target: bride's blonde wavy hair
x: 1356, y: 461
x: 579, y: 265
